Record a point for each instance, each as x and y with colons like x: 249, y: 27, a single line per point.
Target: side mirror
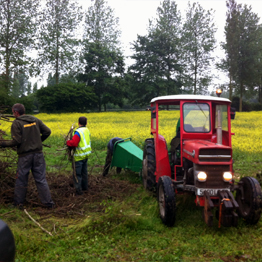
x: 232, y: 113
x: 7, y: 243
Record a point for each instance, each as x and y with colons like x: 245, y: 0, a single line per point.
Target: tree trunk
x: 7, y: 54
x: 260, y: 91
x: 57, y: 61
x: 260, y: 94
x: 241, y: 97
x: 195, y: 79
x: 230, y: 87
x: 168, y: 87
x: 99, y: 104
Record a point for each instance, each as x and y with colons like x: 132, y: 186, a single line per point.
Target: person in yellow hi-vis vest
x: 82, y: 143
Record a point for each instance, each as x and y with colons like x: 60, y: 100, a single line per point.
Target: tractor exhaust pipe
x: 219, y: 125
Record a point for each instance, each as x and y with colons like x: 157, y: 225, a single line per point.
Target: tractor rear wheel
x: 166, y: 200
x: 249, y: 199
x: 149, y: 166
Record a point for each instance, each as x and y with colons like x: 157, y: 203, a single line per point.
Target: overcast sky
x: 135, y: 14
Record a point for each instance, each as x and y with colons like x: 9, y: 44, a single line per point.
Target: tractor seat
x: 175, y: 150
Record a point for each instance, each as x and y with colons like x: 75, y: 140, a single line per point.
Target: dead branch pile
x: 63, y: 193
x: 10, y: 159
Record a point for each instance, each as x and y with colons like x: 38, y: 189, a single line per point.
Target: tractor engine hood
x: 206, y: 152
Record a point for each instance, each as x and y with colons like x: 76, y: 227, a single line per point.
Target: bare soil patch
x: 68, y: 204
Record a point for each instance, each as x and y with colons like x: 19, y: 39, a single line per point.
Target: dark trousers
x: 109, y: 156
x: 36, y: 163
x: 81, y: 175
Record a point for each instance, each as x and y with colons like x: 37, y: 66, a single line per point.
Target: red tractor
x: 199, y: 162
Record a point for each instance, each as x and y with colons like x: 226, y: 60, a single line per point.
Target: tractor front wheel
x: 249, y: 199
x: 149, y: 166
x: 166, y: 200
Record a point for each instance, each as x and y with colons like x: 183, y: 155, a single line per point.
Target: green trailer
x: 127, y: 155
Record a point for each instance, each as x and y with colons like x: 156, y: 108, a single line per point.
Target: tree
x: 29, y: 88
x: 68, y: 78
x: 231, y: 44
x: 249, y: 50
x: 15, y: 89
x: 22, y: 78
x: 243, y: 48
x: 50, y: 80
x: 17, y: 36
x: 259, y: 68
x: 57, y: 40
x: 157, y: 69
x: 143, y: 76
x: 166, y: 32
x: 35, y: 87
x: 198, y: 44
x: 104, y: 68
x: 102, y: 57
x: 72, y: 97
x: 19, y: 84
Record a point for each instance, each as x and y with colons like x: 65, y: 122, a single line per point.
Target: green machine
x: 127, y: 155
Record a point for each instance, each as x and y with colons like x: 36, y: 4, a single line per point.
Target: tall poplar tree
x: 198, y: 44
x: 231, y: 45
x: 249, y: 51
x: 102, y: 56
x: 259, y: 68
x: 243, y: 48
x: 166, y: 32
x: 17, y: 36
x: 58, y: 36
x: 157, y: 69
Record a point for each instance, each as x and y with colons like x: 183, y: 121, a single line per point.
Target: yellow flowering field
x: 103, y: 126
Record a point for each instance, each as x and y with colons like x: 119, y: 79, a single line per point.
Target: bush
x: 246, y: 106
x: 256, y: 107
x: 66, y: 97
x: 6, y: 100
x: 28, y: 102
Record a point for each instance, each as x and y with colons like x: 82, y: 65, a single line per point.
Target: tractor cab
x: 199, y: 160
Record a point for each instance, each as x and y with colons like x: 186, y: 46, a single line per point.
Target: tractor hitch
x: 226, y: 205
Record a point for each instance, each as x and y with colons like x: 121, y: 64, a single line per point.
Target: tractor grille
x: 214, y: 176
x: 214, y: 155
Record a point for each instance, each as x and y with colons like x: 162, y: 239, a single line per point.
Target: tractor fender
x: 162, y: 159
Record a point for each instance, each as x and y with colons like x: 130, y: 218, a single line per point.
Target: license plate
x: 211, y: 192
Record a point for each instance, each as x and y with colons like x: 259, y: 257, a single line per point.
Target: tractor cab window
x: 196, y: 117
x: 224, y: 118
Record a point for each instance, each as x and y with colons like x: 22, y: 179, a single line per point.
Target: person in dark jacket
x: 28, y: 133
x: 109, y: 155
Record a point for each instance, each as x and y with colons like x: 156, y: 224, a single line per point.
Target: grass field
x: 130, y: 229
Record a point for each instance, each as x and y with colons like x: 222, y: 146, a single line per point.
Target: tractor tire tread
x: 170, y: 201
x: 149, y: 152
x: 253, y: 216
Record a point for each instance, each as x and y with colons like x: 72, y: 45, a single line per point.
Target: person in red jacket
x: 82, y: 143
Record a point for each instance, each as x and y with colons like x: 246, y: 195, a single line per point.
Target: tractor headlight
x: 202, y: 176
x: 227, y: 176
